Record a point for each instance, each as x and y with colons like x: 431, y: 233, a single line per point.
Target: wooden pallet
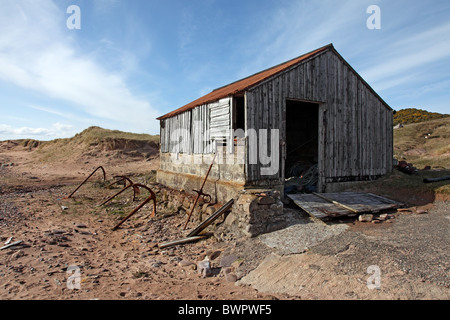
x: 325, y: 206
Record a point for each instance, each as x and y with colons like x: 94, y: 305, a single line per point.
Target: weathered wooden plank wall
x: 355, y: 127
x: 196, y: 129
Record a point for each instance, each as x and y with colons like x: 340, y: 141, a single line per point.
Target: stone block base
x: 257, y: 212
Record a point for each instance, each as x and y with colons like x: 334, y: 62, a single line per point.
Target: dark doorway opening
x: 239, y: 113
x: 302, y: 146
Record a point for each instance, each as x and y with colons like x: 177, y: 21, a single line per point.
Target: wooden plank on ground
x: 363, y: 202
x: 318, y: 207
x: 333, y: 205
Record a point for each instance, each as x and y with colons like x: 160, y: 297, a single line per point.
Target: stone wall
x: 229, y: 167
x: 257, y: 212
x: 254, y: 212
x: 172, y: 201
x: 188, y: 172
x: 219, y: 190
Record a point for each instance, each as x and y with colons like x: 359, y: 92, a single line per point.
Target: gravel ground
x: 301, y: 236
x: 417, y: 244
x: 9, y: 214
x: 411, y: 253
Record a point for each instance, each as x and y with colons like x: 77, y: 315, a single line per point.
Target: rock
x: 230, y: 277
x: 80, y: 225
x: 266, y: 200
x: 156, y: 263
x: 205, y: 206
x: 383, y: 217
x: 227, y: 261
x: 17, y: 255
x: 210, y: 210
x: 421, y: 211
x: 226, y: 270
x: 214, y: 255
x: 204, y: 268
x: 366, y: 217
x: 185, y: 263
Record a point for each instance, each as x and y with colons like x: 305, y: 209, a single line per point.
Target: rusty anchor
x: 206, y: 197
x: 104, y: 179
x: 151, y: 197
x: 123, y: 179
x: 135, y: 186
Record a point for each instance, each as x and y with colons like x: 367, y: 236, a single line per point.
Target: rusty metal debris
x: 104, y: 179
x: 194, y: 235
x: 431, y: 180
x: 151, y: 197
x: 206, y: 197
x: 211, y: 219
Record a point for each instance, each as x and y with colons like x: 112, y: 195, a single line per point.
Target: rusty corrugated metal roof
x: 242, y: 85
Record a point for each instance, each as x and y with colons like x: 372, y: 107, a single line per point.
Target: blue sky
x: 134, y: 60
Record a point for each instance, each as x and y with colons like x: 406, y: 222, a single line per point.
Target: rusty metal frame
x: 104, y: 179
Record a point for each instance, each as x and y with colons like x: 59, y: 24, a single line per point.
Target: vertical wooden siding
x: 196, y: 128
x: 355, y: 127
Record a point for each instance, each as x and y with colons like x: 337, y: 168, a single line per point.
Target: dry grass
x: 61, y: 149
x: 424, y: 144
x: 408, y: 189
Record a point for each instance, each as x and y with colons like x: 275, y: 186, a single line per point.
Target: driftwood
x: 11, y: 245
x: 181, y: 241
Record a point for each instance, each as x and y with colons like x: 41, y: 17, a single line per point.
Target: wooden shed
x: 314, y: 111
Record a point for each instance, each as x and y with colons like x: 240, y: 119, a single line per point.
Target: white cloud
x: 56, y: 130
x: 417, y: 56
x: 36, y: 52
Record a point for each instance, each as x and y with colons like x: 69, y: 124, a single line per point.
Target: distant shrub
x: 412, y: 115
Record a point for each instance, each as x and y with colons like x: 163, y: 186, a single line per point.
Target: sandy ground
x: 63, y: 234
x: 70, y: 252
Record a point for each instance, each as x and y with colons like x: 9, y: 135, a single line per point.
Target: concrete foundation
x: 220, y: 191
